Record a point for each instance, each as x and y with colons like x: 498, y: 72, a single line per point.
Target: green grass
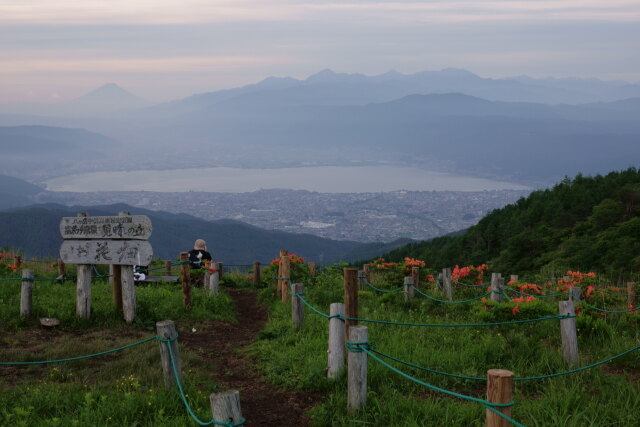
x: 120, y: 389
x: 607, y: 395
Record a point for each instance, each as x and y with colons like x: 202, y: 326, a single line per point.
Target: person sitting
x: 198, y: 255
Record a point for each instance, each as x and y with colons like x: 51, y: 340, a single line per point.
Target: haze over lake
x: 324, y: 179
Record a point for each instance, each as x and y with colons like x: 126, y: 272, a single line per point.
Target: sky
x: 57, y: 50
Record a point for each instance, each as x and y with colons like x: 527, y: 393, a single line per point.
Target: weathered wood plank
x: 123, y: 252
x: 106, y: 227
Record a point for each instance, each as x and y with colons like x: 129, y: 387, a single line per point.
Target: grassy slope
x: 603, y: 396
x: 123, y: 389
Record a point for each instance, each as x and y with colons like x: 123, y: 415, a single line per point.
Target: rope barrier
x: 537, y: 295
x: 602, y: 310
x: 452, y: 302
x: 371, y: 285
x: 186, y: 402
x: 69, y: 359
x: 364, y: 347
x: 478, y: 285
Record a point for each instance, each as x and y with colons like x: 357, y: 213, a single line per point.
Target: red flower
x: 515, y: 310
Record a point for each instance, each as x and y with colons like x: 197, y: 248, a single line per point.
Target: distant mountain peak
x: 108, y: 92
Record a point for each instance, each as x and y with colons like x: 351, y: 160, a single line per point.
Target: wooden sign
x: 123, y: 252
x: 106, y: 227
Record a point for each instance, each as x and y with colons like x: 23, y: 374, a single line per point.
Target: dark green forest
x: 587, y: 223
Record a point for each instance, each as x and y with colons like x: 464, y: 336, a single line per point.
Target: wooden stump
x: 446, y: 283
x: 225, y: 406
x: 409, y: 291
x: 214, y: 284
x: 286, y: 273
x: 496, y: 291
x: 115, y: 277
x: 499, y: 390
x: 256, y: 273
x: 415, y: 275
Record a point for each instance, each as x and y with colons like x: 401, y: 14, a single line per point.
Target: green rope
x: 229, y: 423
x: 537, y: 296
x: 486, y: 403
x: 458, y: 325
x: 602, y: 310
x: 451, y: 302
x: 325, y: 315
x: 539, y: 377
x: 69, y: 359
x: 379, y: 289
x: 470, y: 286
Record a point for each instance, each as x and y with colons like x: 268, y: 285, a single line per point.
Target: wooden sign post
x: 118, y: 241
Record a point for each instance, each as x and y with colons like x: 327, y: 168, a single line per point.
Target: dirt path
x: 222, y: 343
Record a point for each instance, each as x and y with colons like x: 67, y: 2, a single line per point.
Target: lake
x: 324, y: 179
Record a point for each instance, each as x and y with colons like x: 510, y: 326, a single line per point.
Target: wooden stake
x: 286, y: 273
x: 17, y: 261
x: 128, y: 293
x: 514, y: 278
x: 336, y: 340
x: 415, y: 275
x: 214, y: 284
x: 367, y: 272
x: 350, y: 297
x: 225, y: 406
x: 357, y: 370
x: 297, y: 307
x: 575, y: 293
x: 61, y: 269
x: 283, y: 253
x: 167, y: 265
x: 115, y: 277
x: 499, y: 390
x: 256, y: 273
x: 496, y: 294
x: 166, y: 330
x: 409, y: 291
x: 185, y: 269
x: 312, y: 269
x: 631, y: 294
x: 446, y: 282
x: 568, y: 333
x: 219, y: 269
x: 83, y: 291
x: 26, y: 293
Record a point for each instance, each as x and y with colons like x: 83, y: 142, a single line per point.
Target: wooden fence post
x: 415, y: 274
x: 279, y: 282
x: 61, y: 270
x: 256, y: 273
x: 214, y: 284
x: 350, y: 297
x: 336, y: 340
x: 115, y: 277
x: 514, y: 278
x: 357, y: 370
x: 167, y: 265
x: 26, y: 293
x: 361, y: 284
x: 83, y: 291
x: 185, y: 269
x: 409, y: 291
x: 297, y: 307
x: 499, y: 390
x: 286, y: 272
x: 312, y: 269
x: 568, y: 333
x: 17, y: 261
x: 496, y: 291
x: 219, y: 269
x: 166, y: 330
x: 128, y: 296
x: 225, y: 407
x: 367, y: 272
x: 575, y: 293
x: 446, y: 283
x: 631, y: 294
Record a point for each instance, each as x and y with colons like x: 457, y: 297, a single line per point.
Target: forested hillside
x: 583, y: 223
